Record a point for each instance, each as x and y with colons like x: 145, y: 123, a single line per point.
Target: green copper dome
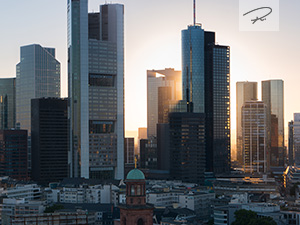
x: 135, y: 174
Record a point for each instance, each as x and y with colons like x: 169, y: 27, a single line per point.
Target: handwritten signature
x: 259, y: 18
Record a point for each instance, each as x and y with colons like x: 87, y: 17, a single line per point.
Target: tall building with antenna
x: 206, y: 89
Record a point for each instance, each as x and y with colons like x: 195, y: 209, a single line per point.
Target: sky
x: 153, y: 41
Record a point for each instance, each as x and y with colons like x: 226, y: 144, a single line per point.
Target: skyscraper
x: 245, y: 91
x: 13, y: 151
x: 217, y: 105
x: 187, y: 147
x: 255, y: 151
x: 273, y: 97
x: 206, y: 89
x: 291, y: 143
x: 49, y: 139
x: 296, y: 139
x: 163, y: 87
x: 7, y: 103
x: 96, y: 90
x: 38, y: 75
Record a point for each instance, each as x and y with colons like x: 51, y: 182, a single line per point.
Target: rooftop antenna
x: 194, y: 12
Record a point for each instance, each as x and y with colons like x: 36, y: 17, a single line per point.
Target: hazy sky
x: 153, y: 41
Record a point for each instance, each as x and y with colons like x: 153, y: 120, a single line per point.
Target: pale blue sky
x: 153, y: 41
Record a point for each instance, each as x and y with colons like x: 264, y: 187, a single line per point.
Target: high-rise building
x: 7, y: 103
x: 13, y: 151
x: 206, y: 89
x: 148, y: 153
x: 291, y: 144
x: 163, y: 88
x: 38, y: 76
x: 245, y: 91
x: 129, y: 154
x: 255, y: 151
x: 217, y: 105
x: 49, y: 139
x: 96, y: 90
x: 273, y: 97
x: 296, y: 139
x: 187, y: 146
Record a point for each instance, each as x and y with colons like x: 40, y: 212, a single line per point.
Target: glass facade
x: 217, y: 105
x: 245, y: 91
x: 7, y: 103
x: 96, y: 90
x: 296, y: 139
x: 193, y: 67
x: 254, y: 122
x: 273, y: 97
x: 163, y: 87
x: 38, y: 75
x: 78, y: 88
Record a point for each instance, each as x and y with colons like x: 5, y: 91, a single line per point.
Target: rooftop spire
x: 194, y: 12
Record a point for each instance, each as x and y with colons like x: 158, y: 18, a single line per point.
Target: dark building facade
x: 7, y: 103
x: 291, y: 143
x: 163, y: 146
x: 148, y: 153
x: 217, y: 105
x: 187, y: 146
x: 13, y: 153
x: 49, y: 122
x: 128, y: 154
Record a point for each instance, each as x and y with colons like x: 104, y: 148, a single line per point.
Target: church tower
x: 136, y: 211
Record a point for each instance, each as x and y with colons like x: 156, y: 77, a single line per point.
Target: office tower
x: 7, y: 103
x: 13, y: 151
x: 187, y: 147
x: 38, y: 76
x: 296, y: 139
x: 96, y: 90
x: 142, y: 134
x: 217, y: 105
x: 163, y: 88
x: 254, y: 122
x: 163, y: 146
x: 49, y: 139
x: 148, y: 153
x: 129, y: 154
x: 273, y: 97
x: 245, y: 91
x: 291, y: 143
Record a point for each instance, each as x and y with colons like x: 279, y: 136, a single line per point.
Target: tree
x: 52, y: 209
x: 248, y: 217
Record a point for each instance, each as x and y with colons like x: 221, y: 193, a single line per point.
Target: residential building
x: 49, y: 139
x: 163, y: 87
x: 22, y: 191
x: 245, y: 91
x: 254, y: 123
x: 7, y: 103
x: 273, y: 97
x: 96, y: 90
x: 13, y: 152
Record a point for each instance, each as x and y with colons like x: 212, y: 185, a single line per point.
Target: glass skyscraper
x: 7, y: 103
x: 245, y: 91
x: 193, y: 67
x: 273, y: 97
x: 96, y: 90
x: 206, y: 89
x: 38, y: 75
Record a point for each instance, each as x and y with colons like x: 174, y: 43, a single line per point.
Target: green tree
x: 53, y: 208
x: 248, y: 217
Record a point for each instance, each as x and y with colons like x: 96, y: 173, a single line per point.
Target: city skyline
x: 163, y: 49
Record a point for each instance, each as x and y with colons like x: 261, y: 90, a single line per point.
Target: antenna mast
x: 194, y: 12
